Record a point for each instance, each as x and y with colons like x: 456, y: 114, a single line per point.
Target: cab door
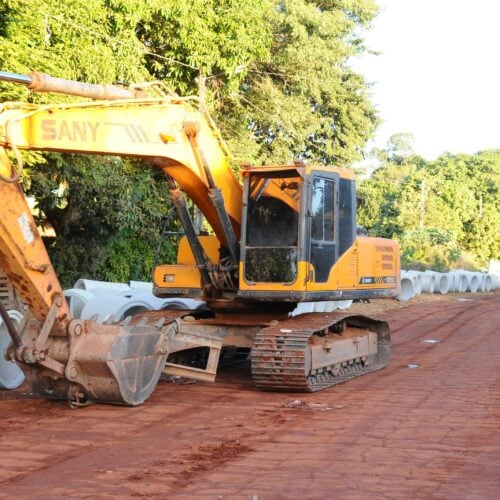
x: 323, y: 227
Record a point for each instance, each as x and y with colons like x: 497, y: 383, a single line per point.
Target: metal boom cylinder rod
x: 7, y: 76
x: 41, y: 82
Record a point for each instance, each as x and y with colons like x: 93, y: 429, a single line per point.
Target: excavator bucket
x: 112, y: 363
x: 101, y: 363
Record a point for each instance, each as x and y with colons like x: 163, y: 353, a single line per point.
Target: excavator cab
x: 299, y: 238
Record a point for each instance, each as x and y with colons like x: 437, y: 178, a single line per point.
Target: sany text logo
x: 87, y: 131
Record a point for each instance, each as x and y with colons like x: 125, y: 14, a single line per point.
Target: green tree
x: 459, y: 204
x: 275, y: 74
x: 305, y: 101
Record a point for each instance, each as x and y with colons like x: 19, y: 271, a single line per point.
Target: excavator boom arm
x: 167, y: 132
x: 157, y: 130
x: 23, y: 255
x: 81, y: 360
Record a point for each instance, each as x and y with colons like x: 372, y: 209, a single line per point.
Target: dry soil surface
x: 427, y: 426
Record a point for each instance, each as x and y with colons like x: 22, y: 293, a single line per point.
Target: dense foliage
x: 445, y: 213
x: 274, y: 73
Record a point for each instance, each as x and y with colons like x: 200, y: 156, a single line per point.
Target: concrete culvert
x: 407, y: 289
x: 331, y: 305
x: 472, y: 283
x: 480, y: 280
x: 113, y: 307
x: 145, y: 286
x: 428, y: 283
x: 442, y: 283
x: 302, y: 308
x: 182, y: 304
x: 100, y: 287
x: 131, y: 310
x: 77, y: 299
x: 416, y: 277
x: 344, y: 304
x: 11, y: 376
x: 459, y: 282
x: 320, y: 307
x: 488, y: 283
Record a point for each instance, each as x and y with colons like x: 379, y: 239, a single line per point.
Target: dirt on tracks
x: 427, y: 426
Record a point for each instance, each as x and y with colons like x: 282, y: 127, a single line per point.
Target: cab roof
x: 297, y: 169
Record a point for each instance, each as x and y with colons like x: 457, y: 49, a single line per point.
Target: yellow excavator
x: 282, y: 235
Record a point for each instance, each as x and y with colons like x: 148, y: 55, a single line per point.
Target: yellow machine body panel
x: 185, y: 277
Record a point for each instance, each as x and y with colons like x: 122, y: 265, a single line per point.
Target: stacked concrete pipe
x: 488, y: 283
x: 472, y: 281
x: 481, y: 282
x: 321, y: 306
x: 77, y: 299
x: 416, y: 277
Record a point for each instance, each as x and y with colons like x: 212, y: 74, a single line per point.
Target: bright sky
x: 438, y: 76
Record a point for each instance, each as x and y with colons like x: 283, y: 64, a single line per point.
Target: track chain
x: 281, y: 356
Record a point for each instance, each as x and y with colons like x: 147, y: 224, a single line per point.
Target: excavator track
x: 315, y: 351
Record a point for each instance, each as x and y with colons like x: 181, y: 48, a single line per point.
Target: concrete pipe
x: 442, y: 284
x: 416, y: 277
x: 320, y: 307
x: 344, y: 304
x: 11, y: 376
x: 138, y: 294
x: 113, y: 308
x: 460, y: 281
x: 488, y: 283
x: 77, y: 299
x: 133, y: 307
x: 100, y: 287
x: 451, y: 282
x: 302, y: 308
x: 495, y: 281
x: 331, y: 305
x: 142, y: 285
x: 157, y: 303
x: 407, y: 289
x: 472, y: 282
x: 182, y: 304
x: 428, y: 283
x: 481, y: 282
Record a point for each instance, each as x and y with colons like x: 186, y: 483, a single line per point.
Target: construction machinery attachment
x: 108, y: 363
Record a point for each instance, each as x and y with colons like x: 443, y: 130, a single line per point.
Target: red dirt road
x: 425, y: 432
